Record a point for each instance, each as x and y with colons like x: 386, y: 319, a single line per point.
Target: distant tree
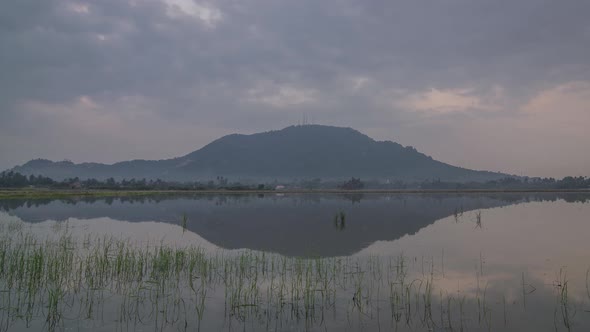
x: 111, y: 183
x: 352, y: 184
x: 13, y: 180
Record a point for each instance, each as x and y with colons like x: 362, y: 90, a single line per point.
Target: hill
x: 309, y: 151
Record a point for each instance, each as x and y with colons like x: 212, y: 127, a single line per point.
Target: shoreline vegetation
x: 32, y: 193
x: 16, y: 184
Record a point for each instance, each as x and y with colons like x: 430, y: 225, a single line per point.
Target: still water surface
x: 438, y: 262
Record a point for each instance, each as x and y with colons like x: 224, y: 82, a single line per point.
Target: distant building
x: 279, y: 187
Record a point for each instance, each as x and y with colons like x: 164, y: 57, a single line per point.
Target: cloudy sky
x: 497, y: 85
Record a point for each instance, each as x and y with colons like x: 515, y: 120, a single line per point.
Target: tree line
x: 11, y: 179
x: 568, y: 182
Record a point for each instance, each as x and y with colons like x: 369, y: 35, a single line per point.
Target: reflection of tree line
x: 225, y: 199
x: 216, y: 199
x: 505, y: 197
x: 10, y: 204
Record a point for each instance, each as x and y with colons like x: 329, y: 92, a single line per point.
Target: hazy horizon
x: 489, y: 86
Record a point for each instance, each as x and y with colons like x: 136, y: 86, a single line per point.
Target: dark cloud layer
x: 461, y: 80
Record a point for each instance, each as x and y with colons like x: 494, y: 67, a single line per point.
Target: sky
x: 494, y: 85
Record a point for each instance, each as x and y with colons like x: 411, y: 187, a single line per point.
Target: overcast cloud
x: 497, y: 85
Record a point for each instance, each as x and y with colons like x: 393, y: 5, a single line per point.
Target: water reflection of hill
x: 290, y: 225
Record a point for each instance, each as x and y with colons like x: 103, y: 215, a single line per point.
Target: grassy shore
x: 32, y: 193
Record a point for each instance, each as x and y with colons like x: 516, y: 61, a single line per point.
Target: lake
x: 293, y: 262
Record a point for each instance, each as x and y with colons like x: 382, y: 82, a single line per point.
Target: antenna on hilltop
x: 304, y: 121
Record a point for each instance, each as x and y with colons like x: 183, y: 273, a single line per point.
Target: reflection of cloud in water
x: 538, y: 239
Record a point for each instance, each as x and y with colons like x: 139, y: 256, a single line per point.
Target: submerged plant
x: 340, y: 221
x: 184, y: 222
x: 478, y: 219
